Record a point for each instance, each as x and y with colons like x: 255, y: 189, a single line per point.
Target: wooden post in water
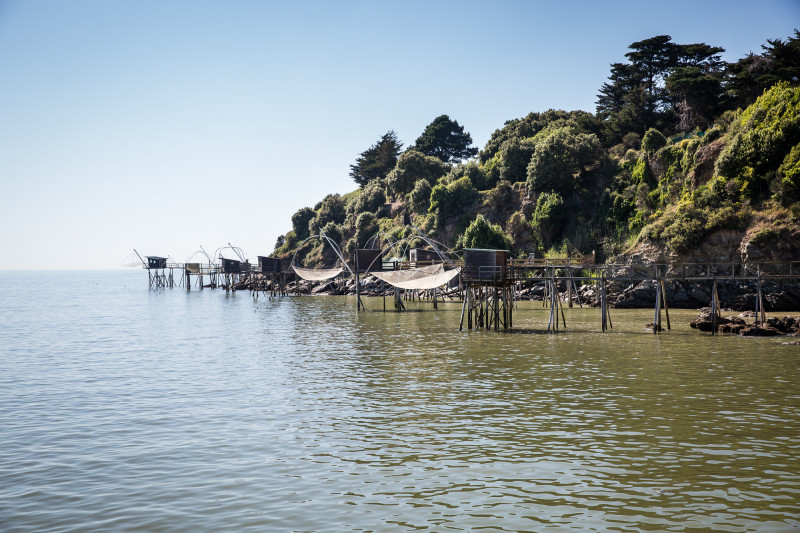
x: 470, y: 305
x: 463, y: 308
x: 664, y: 299
x: 657, y: 317
x: 759, y: 304
x: 553, y: 321
x: 714, y: 307
x: 603, y: 311
x: 569, y: 289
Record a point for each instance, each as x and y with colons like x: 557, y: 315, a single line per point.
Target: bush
x: 762, y: 136
x: 481, y: 234
x: 547, y: 216
x: 331, y: 209
x: 420, y: 198
x: 334, y: 232
x: 640, y: 173
x: 366, y: 227
x: 558, y: 157
x: 411, y: 167
x: 371, y: 200
x: 300, y: 221
x: 632, y: 140
x: 789, y: 173
x: 473, y: 171
x: 501, y: 197
x: 453, y: 198
x: 515, y: 155
x: 653, y: 140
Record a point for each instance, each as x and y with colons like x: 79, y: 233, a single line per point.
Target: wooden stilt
x: 714, y: 307
x: 463, y: 309
x: 664, y: 299
x: 569, y: 288
x: 603, y: 312
x: 657, y: 317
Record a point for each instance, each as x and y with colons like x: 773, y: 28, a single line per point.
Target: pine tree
x: 376, y: 161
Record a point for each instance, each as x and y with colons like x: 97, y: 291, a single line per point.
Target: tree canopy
x: 446, y: 139
x: 376, y: 161
x: 411, y: 167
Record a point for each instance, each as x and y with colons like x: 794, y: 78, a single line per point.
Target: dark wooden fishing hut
x: 489, y: 289
x: 422, y: 255
x: 156, y: 272
x: 366, y: 260
x: 273, y: 274
x: 231, y: 269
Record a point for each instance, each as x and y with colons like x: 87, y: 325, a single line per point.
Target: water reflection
x: 170, y: 411
x: 625, y: 428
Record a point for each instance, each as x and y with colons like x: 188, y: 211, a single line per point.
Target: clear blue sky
x: 165, y: 125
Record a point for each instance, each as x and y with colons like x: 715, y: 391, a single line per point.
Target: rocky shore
x: 734, y: 295
x: 744, y: 324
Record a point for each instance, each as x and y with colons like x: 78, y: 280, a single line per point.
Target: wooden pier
x: 489, y: 282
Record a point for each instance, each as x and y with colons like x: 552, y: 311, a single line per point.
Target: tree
x: 446, y: 139
x: 366, y: 227
x: 300, y: 221
x: 653, y: 140
x: 559, y: 157
x: 547, y: 216
x: 695, y: 84
x: 749, y: 77
x: 331, y: 209
x: 481, y: 234
x: 661, y: 78
x: 411, y: 167
x: 370, y: 200
x: 376, y: 161
x: 449, y: 199
x: 420, y: 198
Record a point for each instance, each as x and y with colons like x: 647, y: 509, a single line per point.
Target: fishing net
x: 428, y: 277
x: 317, y: 274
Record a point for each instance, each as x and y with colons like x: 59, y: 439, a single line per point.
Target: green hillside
x: 687, y: 157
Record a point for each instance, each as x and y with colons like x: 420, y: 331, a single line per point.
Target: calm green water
x: 123, y: 409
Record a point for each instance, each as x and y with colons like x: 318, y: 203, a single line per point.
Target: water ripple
x: 124, y: 409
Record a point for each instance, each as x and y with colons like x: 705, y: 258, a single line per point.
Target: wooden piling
x: 657, y: 317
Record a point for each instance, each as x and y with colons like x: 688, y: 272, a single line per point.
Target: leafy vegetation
x: 683, y: 147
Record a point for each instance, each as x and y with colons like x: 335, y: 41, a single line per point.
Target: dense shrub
x: 515, y: 155
x: 472, y: 170
x: 331, y: 209
x: 481, y: 234
x: 300, y: 221
x: 334, y: 232
x: 420, y: 197
x: 411, y: 167
x: 762, y: 136
x: 789, y: 173
x: 558, y: 157
x: 653, y: 140
x: 366, y: 227
x: 547, y: 216
x: 371, y: 200
x: 501, y: 197
x: 453, y: 198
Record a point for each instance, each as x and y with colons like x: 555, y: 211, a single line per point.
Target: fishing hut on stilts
x: 489, y: 290
x: 271, y: 277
